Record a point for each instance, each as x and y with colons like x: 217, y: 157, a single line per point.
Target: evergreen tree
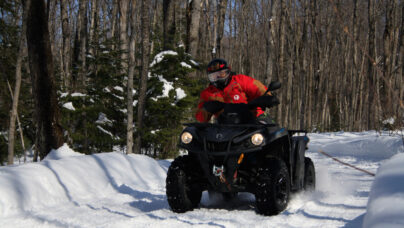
x: 172, y: 97
x: 95, y: 120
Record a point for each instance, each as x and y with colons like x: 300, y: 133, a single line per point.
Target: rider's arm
x: 202, y: 115
x: 253, y: 88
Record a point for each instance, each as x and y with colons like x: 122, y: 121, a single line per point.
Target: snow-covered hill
x: 69, y: 189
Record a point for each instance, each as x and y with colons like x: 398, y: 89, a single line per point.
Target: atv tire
x: 273, y: 187
x: 309, y: 175
x: 182, y: 194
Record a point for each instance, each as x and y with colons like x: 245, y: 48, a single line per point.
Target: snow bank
x: 68, y: 189
x: 63, y: 152
x: 369, y: 145
x: 386, y: 201
x: 66, y: 176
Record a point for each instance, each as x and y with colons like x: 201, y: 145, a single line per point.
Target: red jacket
x: 241, y: 89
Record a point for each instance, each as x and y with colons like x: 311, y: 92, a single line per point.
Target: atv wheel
x: 273, y: 187
x: 182, y: 194
x: 309, y: 175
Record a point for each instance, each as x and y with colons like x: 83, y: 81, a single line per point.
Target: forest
x: 104, y: 75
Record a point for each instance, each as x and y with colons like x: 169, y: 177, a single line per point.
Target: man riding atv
x: 228, y: 87
x: 242, y: 151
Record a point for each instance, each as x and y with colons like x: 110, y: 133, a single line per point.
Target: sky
x: 69, y: 189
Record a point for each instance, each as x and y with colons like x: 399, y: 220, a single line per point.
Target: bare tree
x: 145, y: 29
x: 80, y: 40
x: 65, y: 60
x: 169, y: 27
x: 221, y: 16
x: 49, y: 133
x: 194, y: 21
x: 17, y: 87
x: 131, y: 71
x: 123, y: 32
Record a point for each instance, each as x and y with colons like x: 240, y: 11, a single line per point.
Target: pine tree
x: 172, y: 97
x: 96, y: 120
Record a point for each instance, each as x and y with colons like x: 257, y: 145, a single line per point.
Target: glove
x: 264, y: 102
x: 213, y: 106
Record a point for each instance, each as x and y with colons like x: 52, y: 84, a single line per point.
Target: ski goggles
x: 223, y: 74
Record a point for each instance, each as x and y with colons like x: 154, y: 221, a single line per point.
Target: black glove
x: 264, y: 102
x: 213, y: 106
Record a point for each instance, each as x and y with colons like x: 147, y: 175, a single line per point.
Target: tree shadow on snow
x: 144, y: 201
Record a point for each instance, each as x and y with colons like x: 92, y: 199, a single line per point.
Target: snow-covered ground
x: 68, y: 189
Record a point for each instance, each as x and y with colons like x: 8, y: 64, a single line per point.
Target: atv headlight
x: 257, y: 139
x: 186, y: 137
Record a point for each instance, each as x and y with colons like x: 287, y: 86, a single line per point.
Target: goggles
x: 218, y: 75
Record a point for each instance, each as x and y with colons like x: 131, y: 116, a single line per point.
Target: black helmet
x: 216, y: 70
x: 216, y: 65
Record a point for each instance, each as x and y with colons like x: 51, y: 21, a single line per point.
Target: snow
x: 103, y: 119
x: 69, y: 105
x: 195, y: 63
x: 160, y: 56
x: 386, y: 200
x: 180, y: 93
x: 76, y: 94
x: 389, y: 121
x: 167, y: 87
x: 119, y: 88
x: 105, y: 131
x: 63, y: 152
x: 69, y: 189
x: 186, y: 65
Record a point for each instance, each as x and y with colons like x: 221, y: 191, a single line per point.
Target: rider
x: 229, y: 87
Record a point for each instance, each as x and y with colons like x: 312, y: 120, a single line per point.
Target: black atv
x: 240, y: 154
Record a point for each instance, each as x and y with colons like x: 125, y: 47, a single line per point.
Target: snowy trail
x: 113, y: 190
x: 340, y: 198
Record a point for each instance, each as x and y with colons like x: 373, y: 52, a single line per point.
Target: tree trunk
x: 194, y: 28
x: 123, y: 33
x: 221, y: 14
x: 145, y: 29
x: 49, y: 134
x: 66, y: 72
x: 131, y: 71
x: 15, y: 96
x: 371, y: 80
x: 168, y: 24
x: 81, y: 43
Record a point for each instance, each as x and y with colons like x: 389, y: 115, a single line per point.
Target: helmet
x: 218, y: 73
x: 216, y: 65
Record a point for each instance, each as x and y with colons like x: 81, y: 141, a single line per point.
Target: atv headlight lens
x: 257, y: 139
x: 186, y: 137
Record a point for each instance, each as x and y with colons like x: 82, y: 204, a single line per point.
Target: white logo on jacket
x: 236, y: 97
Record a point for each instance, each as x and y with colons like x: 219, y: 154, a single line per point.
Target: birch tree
x: 131, y: 71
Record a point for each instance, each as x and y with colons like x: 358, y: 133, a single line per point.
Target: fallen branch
x: 344, y: 163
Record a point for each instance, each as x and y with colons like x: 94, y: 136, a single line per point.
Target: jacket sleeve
x: 202, y: 115
x: 254, y: 88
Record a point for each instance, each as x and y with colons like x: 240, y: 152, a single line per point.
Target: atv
x: 240, y: 154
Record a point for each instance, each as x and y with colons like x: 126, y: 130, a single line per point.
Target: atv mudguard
x: 299, y: 146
